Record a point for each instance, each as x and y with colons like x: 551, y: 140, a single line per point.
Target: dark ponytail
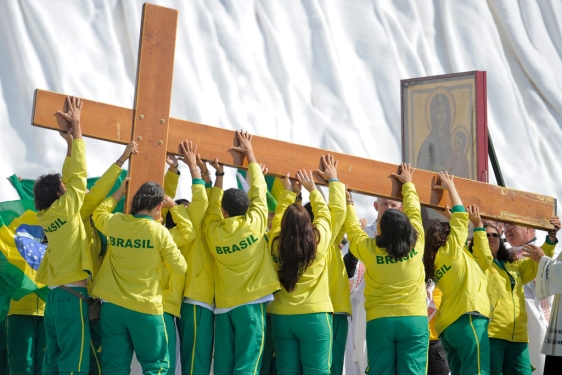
x: 435, y: 237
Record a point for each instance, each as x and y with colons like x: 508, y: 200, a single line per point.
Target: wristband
x: 193, y: 170
x: 119, y: 161
x: 175, y: 166
x: 219, y: 174
x: 333, y: 180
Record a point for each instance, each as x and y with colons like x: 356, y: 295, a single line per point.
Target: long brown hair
x: 297, y: 245
x: 435, y: 237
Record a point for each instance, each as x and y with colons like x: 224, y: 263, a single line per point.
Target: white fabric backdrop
x: 314, y: 72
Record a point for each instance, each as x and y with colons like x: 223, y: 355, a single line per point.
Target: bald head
x: 383, y: 204
x: 518, y: 236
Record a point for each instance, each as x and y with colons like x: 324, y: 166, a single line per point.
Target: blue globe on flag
x: 28, y: 241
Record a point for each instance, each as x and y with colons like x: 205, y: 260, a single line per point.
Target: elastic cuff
x: 333, y: 180
x: 209, y: 184
x: 458, y: 208
x: 479, y: 229
x: 198, y: 181
x: 548, y: 241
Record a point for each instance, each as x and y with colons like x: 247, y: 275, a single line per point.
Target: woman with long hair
x: 301, y: 314
x: 506, y: 276
x: 462, y: 319
x: 395, y: 296
x: 129, y: 280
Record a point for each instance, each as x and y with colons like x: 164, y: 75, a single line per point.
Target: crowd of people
x: 310, y: 289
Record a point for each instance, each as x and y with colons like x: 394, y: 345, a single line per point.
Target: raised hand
x: 297, y: 188
x: 286, y: 181
x: 474, y: 216
x: 218, y: 167
x: 219, y: 172
x: 131, y: 148
x: 329, y: 168
x: 264, y: 169
x: 245, y: 146
x: 348, y: 196
x: 203, y: 167
x: 168, y: 202
x: 189, y: 152
x: 363, y: 223
x: 405, y: 174
x: 172, y: 160
x: 446, y: 181
x: 306, y: 180
x: 533, y: 252
x: 555, y: 220
x: 72, y: 115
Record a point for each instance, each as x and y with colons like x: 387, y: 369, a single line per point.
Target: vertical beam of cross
x: 153, y: 95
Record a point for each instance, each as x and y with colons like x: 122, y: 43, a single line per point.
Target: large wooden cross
x: 149, y: 124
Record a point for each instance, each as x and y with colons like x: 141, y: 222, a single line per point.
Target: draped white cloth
x: 549, y: 283
x: 314, y: 72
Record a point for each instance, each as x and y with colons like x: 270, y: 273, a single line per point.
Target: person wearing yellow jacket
x: 462, y: 319
x: 197, y: 322
x: 97, y: 242
x: 245, y: 277
x: 395, y: 295
x: 129, y: 281
x: 299, y: 247
x: 337, y: 274
x: 507, y: 331
x: 184, y: 221
x: 67, y: 259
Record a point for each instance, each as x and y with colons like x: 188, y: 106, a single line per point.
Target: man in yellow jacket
x: 235, y: 226
x: 96, y: 240
x: 67, y: 260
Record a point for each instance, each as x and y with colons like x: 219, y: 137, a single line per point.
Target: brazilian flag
x: 21, y: 252
x: 274, y: 188
x: 22, y: 243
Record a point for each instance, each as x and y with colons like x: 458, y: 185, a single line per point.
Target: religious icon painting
x: 444, y: 124
x: 444, y: 127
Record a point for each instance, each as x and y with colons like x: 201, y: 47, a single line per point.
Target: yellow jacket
x: 92, y: 199
x: 188, y: 222
x: 458, y: 275
x: 200, y: 277
x: 437, y: 301
x: 30, y: 304
x: 130, y: 274
x: 244, y: 268
x: 508, y: 317
x: 337, y: 274
x: 67, y: 258
x: 312, y: 291
x: 392, y: 288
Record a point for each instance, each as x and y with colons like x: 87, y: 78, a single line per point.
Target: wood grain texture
x: 153, y: 95
x: 364, y: 176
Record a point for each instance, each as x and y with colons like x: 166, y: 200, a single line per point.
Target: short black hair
x: 235, y: 202
x: 46, y: 190
x: 149, y: 195
x: 169, y: 222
